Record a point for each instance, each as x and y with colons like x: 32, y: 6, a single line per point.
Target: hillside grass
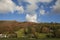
x: 20, y: 33
x: 29, y: 39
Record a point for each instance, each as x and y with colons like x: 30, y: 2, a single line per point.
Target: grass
x: 29, y: 39
x: 20, y: 33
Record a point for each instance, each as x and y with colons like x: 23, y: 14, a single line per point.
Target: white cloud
x: 42, y: 12
x: 31, y: 1
x: 45, y: 1
x: 20, y: 9
x: 31, y: 17
x: 31, y: 8
x: 35, y: 1
x: 8, y: 6
x: 57, y: 7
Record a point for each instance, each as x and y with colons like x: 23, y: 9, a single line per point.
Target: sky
x: 30, y: 10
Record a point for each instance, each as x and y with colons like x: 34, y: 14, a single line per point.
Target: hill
x: 15, y: 26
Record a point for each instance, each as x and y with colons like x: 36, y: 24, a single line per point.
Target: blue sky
x: 30, y: 10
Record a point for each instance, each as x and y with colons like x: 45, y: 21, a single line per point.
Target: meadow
x: 29, y: 39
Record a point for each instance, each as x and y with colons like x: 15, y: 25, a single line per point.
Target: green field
x: 29, y: 39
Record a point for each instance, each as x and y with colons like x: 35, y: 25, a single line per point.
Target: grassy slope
x: 30, y: 39
x: 20, y: 33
